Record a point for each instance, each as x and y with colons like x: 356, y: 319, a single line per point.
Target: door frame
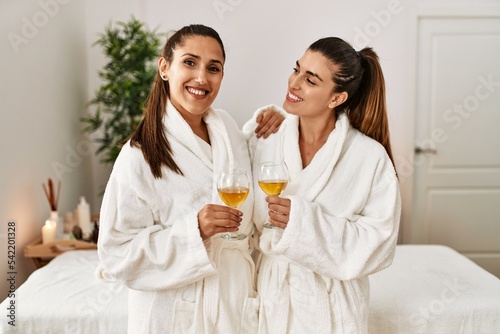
x: 409, y: 231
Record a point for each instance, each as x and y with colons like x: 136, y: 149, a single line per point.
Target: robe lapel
x: 179, y: 131
x: 309, y: 182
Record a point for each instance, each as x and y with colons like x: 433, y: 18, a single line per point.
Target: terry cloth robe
x: 344, y: 219
x: 149, y: 237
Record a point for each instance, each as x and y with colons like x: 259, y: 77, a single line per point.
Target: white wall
x: 43, y: 95
x: 47, y: 79
x: 47, y: 69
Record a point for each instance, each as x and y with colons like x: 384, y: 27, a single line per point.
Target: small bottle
x: 57, y: 222
x: 68, y: 222
x: 83, y: 210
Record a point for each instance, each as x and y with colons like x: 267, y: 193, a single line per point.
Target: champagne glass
x: 233, y: 187
x: 273, y: 179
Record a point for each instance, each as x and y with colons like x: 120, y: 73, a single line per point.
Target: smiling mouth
x: 294, y: 97
x: 197, y: 92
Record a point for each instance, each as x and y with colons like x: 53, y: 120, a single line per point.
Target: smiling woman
x: 160, y: 229
x: 337, y: 220
x: 182, y: 67
x: 194, y: 75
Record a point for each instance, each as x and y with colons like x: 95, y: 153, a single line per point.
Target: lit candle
x: 48, y: 232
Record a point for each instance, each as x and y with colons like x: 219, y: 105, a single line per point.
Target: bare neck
x: 313, y: 134
x: 198, y: 126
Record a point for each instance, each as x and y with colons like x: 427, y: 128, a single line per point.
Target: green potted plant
x: 132, y: 51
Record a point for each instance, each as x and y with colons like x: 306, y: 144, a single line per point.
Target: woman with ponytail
x: 161, y: 215
x: 337, y: 220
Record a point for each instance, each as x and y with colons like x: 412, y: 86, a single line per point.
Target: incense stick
x: 51, y: 194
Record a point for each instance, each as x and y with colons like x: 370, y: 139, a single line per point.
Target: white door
x: 457, y: 144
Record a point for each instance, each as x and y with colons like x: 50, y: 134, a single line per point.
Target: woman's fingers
x: 279, y: 210
x: 271, y: 127
x: 213, y: 219
x: 278, y: 204
x: 269, y: 122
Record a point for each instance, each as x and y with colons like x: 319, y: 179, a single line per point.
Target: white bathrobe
x: 344, y: 219
x: 149, y: 237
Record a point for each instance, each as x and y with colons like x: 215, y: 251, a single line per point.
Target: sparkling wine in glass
x: 273, y: 178
x: 233, y: 187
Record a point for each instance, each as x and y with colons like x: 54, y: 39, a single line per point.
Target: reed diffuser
x: 52, y: 194
x: 53, y: 228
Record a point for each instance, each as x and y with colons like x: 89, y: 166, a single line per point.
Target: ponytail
x: 150, y: 135
x: 368, y: 110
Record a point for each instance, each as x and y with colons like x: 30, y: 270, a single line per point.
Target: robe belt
x: 324, y: 321
x: 211, y: 285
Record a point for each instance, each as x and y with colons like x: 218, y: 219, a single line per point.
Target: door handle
x: 422, y: 150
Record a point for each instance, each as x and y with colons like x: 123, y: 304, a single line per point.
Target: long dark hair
x: 360, y: 75
x: 150, y: 134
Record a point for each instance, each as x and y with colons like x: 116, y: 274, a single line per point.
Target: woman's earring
x: 164, y: 77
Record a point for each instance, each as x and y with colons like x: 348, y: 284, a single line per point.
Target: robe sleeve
x: 143, y: 254
x: 344, y: 248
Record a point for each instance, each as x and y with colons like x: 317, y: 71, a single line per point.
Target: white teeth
x: 196, y: 91
x: 295, y: 98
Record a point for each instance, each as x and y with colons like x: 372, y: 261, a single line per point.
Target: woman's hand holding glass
x: 279, y: 211
x: 214, y: 219
x: 233, y: 187
x: 273, y: 179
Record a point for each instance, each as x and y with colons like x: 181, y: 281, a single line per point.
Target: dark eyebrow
x: 309, y: 72
x: 198, y: 57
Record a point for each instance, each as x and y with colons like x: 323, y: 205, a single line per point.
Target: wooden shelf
x: 42, y: 254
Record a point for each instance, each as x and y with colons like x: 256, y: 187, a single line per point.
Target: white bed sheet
x: 428, y: 289
x: 434, y: 289
x: 66, y: 297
